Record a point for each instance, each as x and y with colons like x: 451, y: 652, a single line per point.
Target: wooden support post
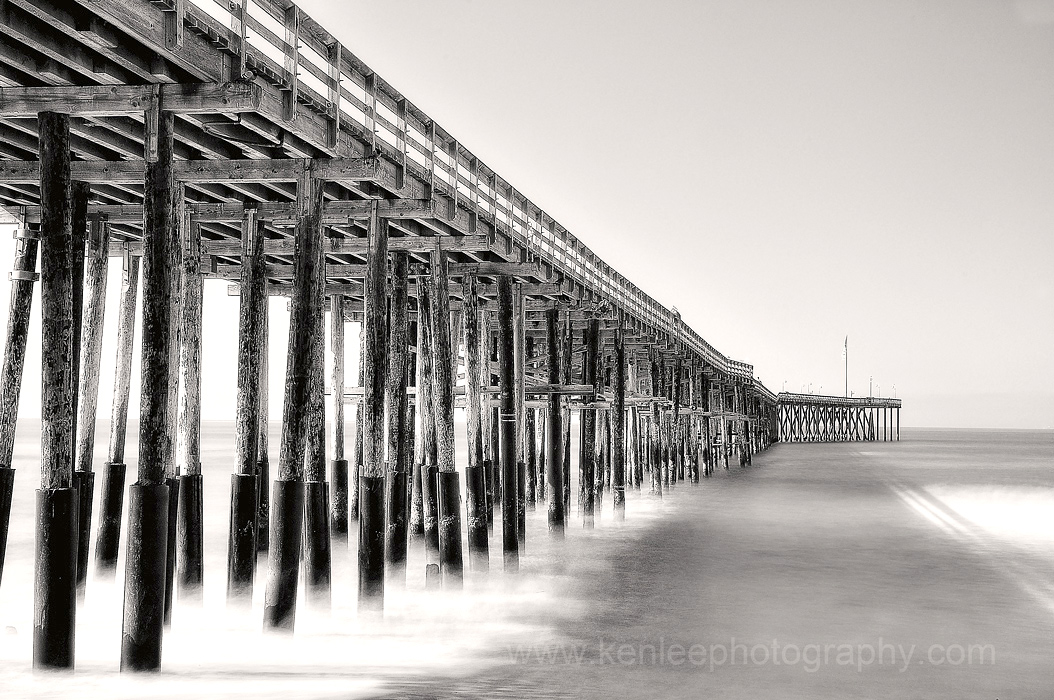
x: 424, y: 431
x: 317, y: 549
x: 521, y: 466
x: 88, y: 395
x: 488, y: 428
x: 356, y: 464
x: 338, y: 466
x: 263, y: 463
x: 426, y: 470
x: 566, y: 341
x: 147, y: 559
x: 241, y: 538
x: 190, y: 528
x: 22, y: 277
x: 396, y: 403
x: 56, y: 554
x: 107, y: 541
x: 374, y: 365
x: 618, y: 428
x: 554, y: 461
x: 475, y: 479
x: 175, y: 256
x: 530, y: 444
x: 287, y: 502
x: 83, y: 481
x: 587, y: 454
x: 654, y: 446
x: 507, y: 425
x: 451, y: 564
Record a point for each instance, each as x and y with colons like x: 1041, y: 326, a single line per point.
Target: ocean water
x: 921, y: 569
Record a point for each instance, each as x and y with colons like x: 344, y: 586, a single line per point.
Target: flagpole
x: 846, y: 353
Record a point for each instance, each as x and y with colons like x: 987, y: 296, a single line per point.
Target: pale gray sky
x: 785, y: 173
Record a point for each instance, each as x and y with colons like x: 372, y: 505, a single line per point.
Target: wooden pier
x: 240, y: 141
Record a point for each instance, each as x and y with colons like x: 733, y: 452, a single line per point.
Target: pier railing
x: 280, y: 43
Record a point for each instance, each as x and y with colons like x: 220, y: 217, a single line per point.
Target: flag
x: 845, y: 349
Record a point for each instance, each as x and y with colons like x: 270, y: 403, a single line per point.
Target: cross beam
x: 121, y: 100
x: 203, y: 171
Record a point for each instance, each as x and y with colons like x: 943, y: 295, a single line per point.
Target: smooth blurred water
x: 792, y: 568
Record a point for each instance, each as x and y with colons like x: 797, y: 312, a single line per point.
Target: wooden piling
x: 83, y: 481
x: 287, y: 501
x: 338, y: 466
x: 554, y: 461
x: 22, y: 277
x: 241, y: 536
x: 175, y: 253
x: 618, y: 428
x: 519, y: 334
x: 56, y: 551
x: 317, y: 554
x: 507, y: 425
x: 263, y: 462
x: 587, y: 458
x: 422, y: 416
x: 425, y: 478
x: 147, y: 558
x: 451, y: 564
x: 355, y: 468
x: 396, y: 403
x: 190, y: 528
x: 566, y: 340
x: 107, y: 541
x: 654, y: 446
x: 530, y: 445
x: 374, y: 365
x: 91, y: 355
x: 475, y: 479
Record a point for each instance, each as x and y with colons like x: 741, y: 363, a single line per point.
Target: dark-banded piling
x: 83, y: 480
x: 88, y: 394
x: 396, y: 404
x: 507, y: 426
x: 108, y: 539
x: 338, y: 466
x: 374, y: 365
x: 54, y: 608
x: 317, y: 553
x: 147, y: 559
x: 287, y: 502
x: 241, y: 537
x: 475, y: 478
x: 23, y: 275
x: 190, y: 531
x: 451, y: 564
x: 618, y: 428
x: 554, y: 438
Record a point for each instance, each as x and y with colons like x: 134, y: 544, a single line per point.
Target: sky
x: 787, y: 174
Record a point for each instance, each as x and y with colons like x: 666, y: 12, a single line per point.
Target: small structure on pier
x: 814, y: 418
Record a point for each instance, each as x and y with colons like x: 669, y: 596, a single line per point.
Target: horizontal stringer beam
x: 120, y: 100
x: 208, y: 171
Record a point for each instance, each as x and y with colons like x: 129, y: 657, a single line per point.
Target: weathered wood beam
x: 491, y: 269
x: 202, y: 171
x: 120, y: 100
